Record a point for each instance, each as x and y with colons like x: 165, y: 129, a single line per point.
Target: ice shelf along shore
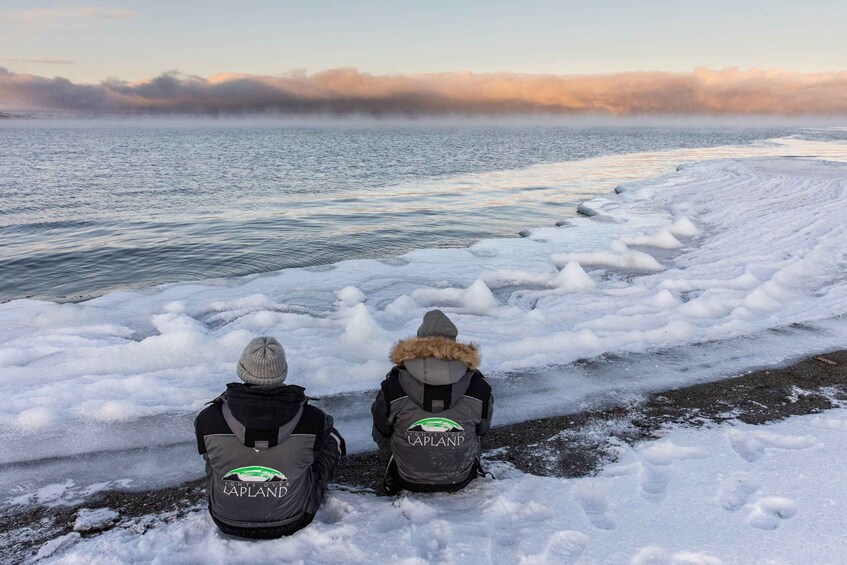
x: 745, y: 253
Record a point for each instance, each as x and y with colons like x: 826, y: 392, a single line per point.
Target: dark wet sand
x: 574, y: 445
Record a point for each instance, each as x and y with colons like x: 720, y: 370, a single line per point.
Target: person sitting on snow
x: 269, y: 454
x: 432, y: 410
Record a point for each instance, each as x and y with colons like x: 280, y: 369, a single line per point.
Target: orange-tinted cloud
x: 702, y: 92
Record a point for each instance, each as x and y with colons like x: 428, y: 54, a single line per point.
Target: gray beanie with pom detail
x: 263, y: 363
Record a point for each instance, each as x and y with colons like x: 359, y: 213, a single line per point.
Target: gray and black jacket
x: 269, y: 458
x: 430, y: 414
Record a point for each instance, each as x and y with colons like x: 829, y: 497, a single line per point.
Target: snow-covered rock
x: 89, y: 519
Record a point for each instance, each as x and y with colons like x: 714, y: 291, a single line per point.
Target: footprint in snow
x: 564, y: 546
x: 751, y: 445
x: 654, y: 481
x: 656, y: 461
x: 769, y: 512
x: 735, y: 490
x: 592, y: 499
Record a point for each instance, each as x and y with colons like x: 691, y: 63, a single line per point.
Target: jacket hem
x: 395, y: 483
x: 267, y: 532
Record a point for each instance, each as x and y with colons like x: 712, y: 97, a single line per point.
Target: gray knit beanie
x: 436, y: 323
x: 263, y: 363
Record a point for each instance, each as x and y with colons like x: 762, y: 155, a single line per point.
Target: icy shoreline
x: 746, y: 255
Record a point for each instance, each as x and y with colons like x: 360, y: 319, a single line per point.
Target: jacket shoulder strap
x: 218, y: 400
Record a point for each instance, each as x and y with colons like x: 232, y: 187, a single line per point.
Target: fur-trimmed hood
x: 436, y: 347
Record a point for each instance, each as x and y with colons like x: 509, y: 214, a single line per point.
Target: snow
x: 476, y: 299
x: 688, y: 497
x: 763, y: 243
x: 573, y: 278
x: 56, y: 545
x: 751, y: 445
x: 683, y: 227
x: 626, y: 259
x: 663, y: 239
x: 88, y: 519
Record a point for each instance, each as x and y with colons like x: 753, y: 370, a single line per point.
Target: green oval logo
x: 435, y: 425
x: 255, y: 474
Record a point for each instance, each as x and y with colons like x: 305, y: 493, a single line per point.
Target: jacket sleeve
x: 382, y: 427
x: 201, y: 444
x: 485, y: 423
x: 330, y: 449
x: 203, y: 426
x: 209, y: 421
x: 488, y: 414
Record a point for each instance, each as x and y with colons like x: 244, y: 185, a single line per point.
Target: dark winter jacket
x: 431, y: 413
x: 269, y: 458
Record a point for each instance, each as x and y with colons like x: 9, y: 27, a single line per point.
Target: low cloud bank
x: 348, y: 91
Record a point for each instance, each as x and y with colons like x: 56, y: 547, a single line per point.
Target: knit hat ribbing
x: 263, y: 363
x: 436, y: 323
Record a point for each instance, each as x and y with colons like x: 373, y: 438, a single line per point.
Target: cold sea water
x: 87, y: 207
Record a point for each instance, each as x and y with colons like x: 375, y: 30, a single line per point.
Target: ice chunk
x: 664, y: 299
x: 88, y: 519
x: 573, y: 278
x: 662, y: 239
x: 476, y: 299
x: 633, y: 260
x: 402, y: 307
x: 683, y: 227
x: 587, y: 210
x: 58, y: 544
x: 361, y: 326
x: 350, y: 295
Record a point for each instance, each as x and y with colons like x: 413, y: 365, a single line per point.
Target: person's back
x: 432, y: 410
x: 269, y: 454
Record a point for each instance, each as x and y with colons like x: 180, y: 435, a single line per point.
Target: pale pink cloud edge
x: 701, y: 92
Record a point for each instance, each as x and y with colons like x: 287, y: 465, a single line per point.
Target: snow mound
x: 573, y: 278
x: 662, y: 239
x: 683, y: 227
x: 634, y: 260
x: 476, y: 299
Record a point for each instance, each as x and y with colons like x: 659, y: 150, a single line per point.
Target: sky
x: 89, y: 42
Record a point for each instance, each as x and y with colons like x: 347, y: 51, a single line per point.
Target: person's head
x: 437, y: 324
x: 263, y: 363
